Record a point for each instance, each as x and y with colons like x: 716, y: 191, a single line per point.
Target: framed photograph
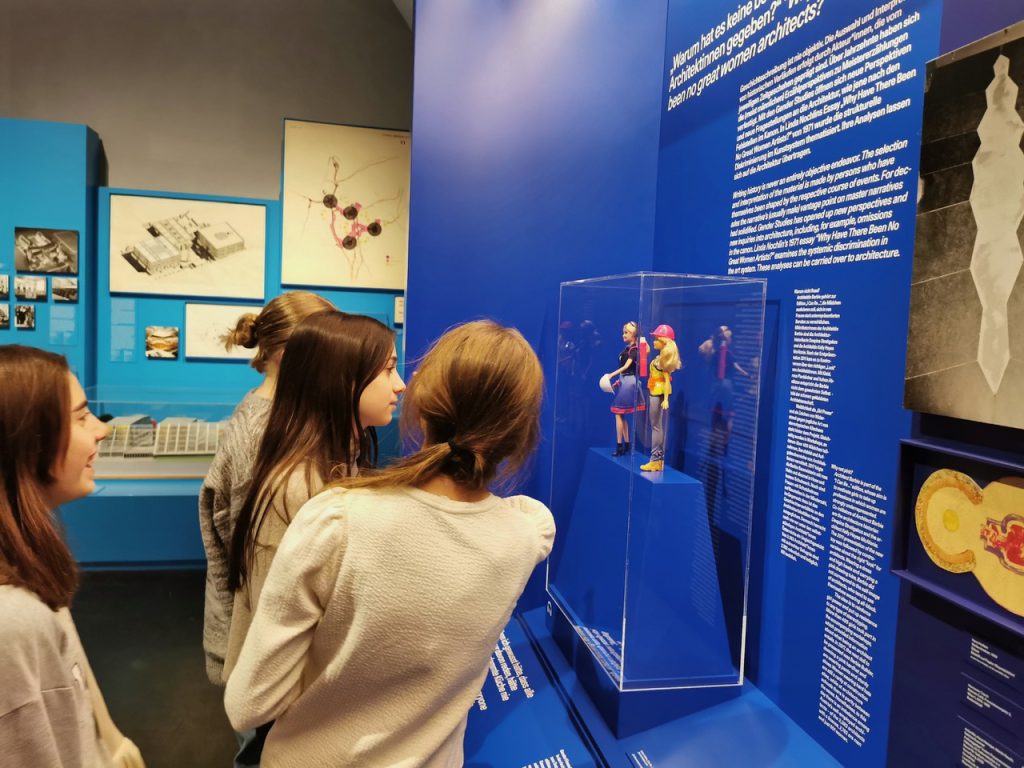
x: 5, y: 287
x: 161, y: 342
x: 5, y: 316
x: 965, y: 344
x: 30, y: 288
x: 345, y: 206
x: 960, y: 529
x: 65, y: 289
x: 184, y: 247
x: 25, y: 317
x: 46, y: 250
x: 205, y: 324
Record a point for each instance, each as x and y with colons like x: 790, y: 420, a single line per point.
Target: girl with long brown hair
x: 51, y: 709
x: 227, y: 481
x: 390, y: 589
x: 337, y: 383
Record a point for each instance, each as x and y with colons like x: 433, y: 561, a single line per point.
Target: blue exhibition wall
x: 533, y: 162
x: 49, y: 175
x: 789, y: 150
x: 50, y: 181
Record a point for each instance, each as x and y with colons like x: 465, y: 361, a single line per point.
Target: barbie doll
x: 659, y: 384
x: 628, y: 398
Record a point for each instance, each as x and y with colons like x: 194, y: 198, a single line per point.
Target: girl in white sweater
x: 318, y: 431
x: 378, y: 617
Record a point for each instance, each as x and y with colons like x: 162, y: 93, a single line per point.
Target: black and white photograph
x: 161, y: 342
x: 65, y: 289
x: 5, y: 316
x: 965, y: 346
x: 184, y: 247
x: 205, y: 324
x: 30, y: 288
x: 46, y: 250
x: 25, y: 317
x: 5, y: 287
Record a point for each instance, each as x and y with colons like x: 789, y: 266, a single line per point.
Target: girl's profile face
x: 659, y: 342
x: 73, y: 474
x: 380, y: 398
x: 628, y: 334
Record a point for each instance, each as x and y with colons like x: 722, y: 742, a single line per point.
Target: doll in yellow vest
x: 659, y: 384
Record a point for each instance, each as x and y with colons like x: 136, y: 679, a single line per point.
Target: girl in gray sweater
x: 227, y: 481
x: 51, y: 709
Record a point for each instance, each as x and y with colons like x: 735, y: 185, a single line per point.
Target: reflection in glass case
x: 159, y: 433
x: 652, y: 479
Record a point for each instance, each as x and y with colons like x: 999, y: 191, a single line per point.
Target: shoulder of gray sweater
x: 27, y: 620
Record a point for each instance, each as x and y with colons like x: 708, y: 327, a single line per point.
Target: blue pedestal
x: 691, y: 728
x: 127, y: 523
x: 637, y: 587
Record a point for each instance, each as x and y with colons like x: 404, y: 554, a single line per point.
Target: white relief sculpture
x: 998, y: 205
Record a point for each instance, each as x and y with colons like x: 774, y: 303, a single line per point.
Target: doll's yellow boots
x: 654, y: 465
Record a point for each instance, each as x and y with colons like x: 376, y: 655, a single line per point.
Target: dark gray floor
x: 143, y: 633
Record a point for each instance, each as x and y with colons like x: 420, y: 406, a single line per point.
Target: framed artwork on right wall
x: 965, y: 347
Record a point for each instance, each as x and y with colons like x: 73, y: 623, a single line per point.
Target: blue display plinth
x: 664, y: 544
x: 129, y: 522
x: 534, y: 712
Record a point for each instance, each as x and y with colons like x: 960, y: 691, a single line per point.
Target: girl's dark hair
x: 473, y: 408
x: 35, y: 424
x: 314, y: 422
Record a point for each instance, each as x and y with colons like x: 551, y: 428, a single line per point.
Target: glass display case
x: 652, y: 478
x: 159, y: 433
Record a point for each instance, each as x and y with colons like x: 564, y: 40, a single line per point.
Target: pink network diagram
x: 350, y: 219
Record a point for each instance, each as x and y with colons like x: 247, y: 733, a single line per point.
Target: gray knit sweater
x: 220, y: 500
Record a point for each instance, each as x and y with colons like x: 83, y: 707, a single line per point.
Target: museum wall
x: 191, y: 98
x: 792, y: 153
x: 533, y: 162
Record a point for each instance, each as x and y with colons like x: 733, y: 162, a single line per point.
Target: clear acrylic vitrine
x: 159, y: 433
x: 650, y: 563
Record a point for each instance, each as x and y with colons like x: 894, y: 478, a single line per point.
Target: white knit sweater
x: 375, y: 627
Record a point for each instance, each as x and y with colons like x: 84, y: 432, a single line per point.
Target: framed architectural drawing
x: 185, y: 247
x: 345, y: 206
x: 46, y: 250
x: 205, y: 324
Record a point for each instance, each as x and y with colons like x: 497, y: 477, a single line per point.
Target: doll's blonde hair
x: 668, y: 356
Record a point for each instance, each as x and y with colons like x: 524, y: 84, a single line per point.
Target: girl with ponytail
x: 227, y: 480
x: 390, y: 589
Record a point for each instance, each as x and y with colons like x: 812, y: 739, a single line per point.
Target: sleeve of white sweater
x: 268, y: 675
x: 542, y: 519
